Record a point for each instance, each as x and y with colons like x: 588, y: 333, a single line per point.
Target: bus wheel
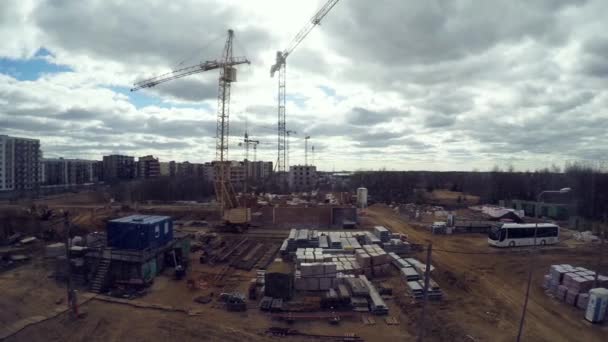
x: 543, y: 242
x: 512, y: 244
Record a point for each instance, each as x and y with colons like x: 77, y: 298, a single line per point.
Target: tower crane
x: 288, y: 133
x: 280, y: 66
x: 224, y: 191
x: 248, y: 142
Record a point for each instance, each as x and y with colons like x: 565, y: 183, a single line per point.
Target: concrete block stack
x: 380, y: 260
x: 349, y: 243
x: 397, y: 246
x: 323, y: 241
x: 371, y: 239
x: 54, y: 250
x: 382, y: 233
x: 318, y: 276
x: 364, y: 260
x: 572, y: 284
x: 300, y: 238
x: 359, y: 304
x: 416, y: 289
x: 357, y: 287
x: 409, y: 274
x: 335, y: 240
x: 377, y: 304
x: 582, y: 301
x: 419, y: 266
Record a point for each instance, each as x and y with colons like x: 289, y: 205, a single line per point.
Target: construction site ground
x: 483, y: 295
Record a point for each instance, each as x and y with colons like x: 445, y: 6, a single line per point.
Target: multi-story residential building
x: 62, y: 171
x: 148, y: 167
x: 209, y: 172
x: 234, y: 171
x: 19, y: 163
x: 303, y: 177
x: 167, y: 169
x: 118, y: 167
x: 258, y: 170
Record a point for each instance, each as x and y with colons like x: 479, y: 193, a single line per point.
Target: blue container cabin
x: 139, y: 232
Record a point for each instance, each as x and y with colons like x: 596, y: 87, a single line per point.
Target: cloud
x: 364, y: 117
x: 415, y: 84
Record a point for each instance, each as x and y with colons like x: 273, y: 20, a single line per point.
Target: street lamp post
x: 538, y: 198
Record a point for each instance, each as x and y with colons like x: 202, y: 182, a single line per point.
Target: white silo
x: 362, y: 197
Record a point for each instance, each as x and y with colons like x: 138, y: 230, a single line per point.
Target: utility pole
x: 533, y: 257
x: 601, y: 252
x: 313, y: 154
x: 427, y: 276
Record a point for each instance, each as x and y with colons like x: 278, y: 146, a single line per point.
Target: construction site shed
x: 138, y: 232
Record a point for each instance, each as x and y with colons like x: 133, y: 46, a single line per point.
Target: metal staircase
x: 101, y: 274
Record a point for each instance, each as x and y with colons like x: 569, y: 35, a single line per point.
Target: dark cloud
x: 364, y: 117
x: 77, y: 114
x: 437, y: 120
x: 152, y: 33
x: 189, y: 89
x: 595, y: 57
x: 430, y: 32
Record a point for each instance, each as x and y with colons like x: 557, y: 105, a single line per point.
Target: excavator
x: 235, y: 217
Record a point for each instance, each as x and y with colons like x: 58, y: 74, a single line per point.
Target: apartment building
x: 19, y: 163
x: 118, y: 167
x: 303, y: 177
x: 62, y: 171
x: 148, y: 167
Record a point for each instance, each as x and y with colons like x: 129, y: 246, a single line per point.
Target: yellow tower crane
x: 226, y: 196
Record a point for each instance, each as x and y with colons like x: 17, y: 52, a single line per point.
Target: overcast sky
x: 404, y: 84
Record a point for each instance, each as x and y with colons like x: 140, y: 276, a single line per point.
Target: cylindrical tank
x: 598, y: 303
x: 362, y: 197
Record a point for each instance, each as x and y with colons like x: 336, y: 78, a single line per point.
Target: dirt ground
x: 483, y: 289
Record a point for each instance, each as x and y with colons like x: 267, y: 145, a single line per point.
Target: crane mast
x: 223, y: 189
x: 280, y: 66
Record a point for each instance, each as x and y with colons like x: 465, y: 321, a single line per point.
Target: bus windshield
x: 494, y: 233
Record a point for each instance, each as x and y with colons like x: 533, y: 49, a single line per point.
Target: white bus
x: 514, y: 234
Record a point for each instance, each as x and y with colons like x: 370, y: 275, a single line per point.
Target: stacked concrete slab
x: 380, y: 260
x: 349, y: 243
x: 397, y: 246
x: 382, y: 233
x: 319, y: 276
x: 371, y: 239
x: 416, y: 289
x: 357, y: 287
x: 376, y: 303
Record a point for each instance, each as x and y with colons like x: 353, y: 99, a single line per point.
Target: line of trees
x: 163, y: 189
x: 589, y: 185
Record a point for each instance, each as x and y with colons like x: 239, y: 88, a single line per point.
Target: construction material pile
x: 343, y: 240
x: 320, y: 276
x: 412, y: 272
x: 572, y: 284
x: 374, y: 260
x: 311, y: 238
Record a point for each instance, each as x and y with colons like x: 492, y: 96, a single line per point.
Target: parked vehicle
x: 514, y: 234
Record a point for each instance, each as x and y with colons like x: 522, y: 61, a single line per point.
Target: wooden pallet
x: 368, y: 320
x: 390, y: 320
